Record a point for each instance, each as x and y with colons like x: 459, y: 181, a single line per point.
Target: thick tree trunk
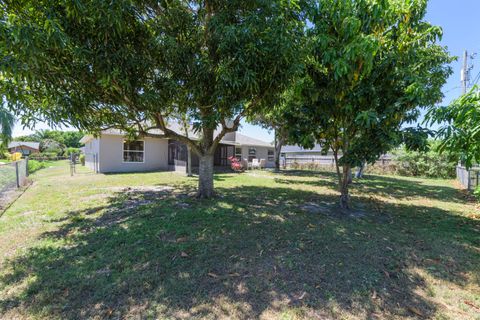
x: 344, y: 196
x: 350, y: 177
x: 278, y: 149
x: 205, y: 177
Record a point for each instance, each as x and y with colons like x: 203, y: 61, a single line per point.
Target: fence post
x: 17, y: 174
x: 26, y: 167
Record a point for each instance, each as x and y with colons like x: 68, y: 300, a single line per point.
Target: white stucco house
x: 112, y: 152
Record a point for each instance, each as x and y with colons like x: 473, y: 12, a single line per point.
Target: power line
x: 451, y: 89
x: 476, y: 79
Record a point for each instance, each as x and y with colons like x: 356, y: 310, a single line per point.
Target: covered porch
x: 178, y: 156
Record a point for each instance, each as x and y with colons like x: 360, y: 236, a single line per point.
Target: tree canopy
x: 130, y: 64
x: 372, y: 65
x: 7, y: 121
x: 69, y: 139
x: 459, y: 127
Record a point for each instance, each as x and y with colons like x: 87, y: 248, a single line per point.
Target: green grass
x: 271, y: 246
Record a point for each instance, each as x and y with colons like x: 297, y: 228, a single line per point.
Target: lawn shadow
x: 399, y: 187
x: 249, y: 251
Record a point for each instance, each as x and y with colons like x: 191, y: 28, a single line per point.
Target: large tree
x: 130, y: 64
x: 372, y: 64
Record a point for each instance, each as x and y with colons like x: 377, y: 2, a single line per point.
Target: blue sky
x: 460, y: 22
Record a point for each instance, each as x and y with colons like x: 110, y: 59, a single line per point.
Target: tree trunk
x: 344, y: 196
x: 360, y: 171
x: 350, y: 178
x: 189, y: 161
x: 278, y: 149
x: 205, y: 177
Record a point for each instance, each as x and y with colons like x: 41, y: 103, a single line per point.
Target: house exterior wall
x: 92, y: 151
x: 261, y: 153
x: 111, y: 155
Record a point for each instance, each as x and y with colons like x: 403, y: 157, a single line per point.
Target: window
x: 238, y: 153
x: 133, y: 151
x: 271, y: 155
x: 252, y: 154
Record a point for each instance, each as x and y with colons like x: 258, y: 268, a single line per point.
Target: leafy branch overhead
x: 459, y: 127
x: 133, y: 64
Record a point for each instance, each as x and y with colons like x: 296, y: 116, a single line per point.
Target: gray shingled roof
x: 295, y: 148
x: 30, y: 144
x: 244, y: 140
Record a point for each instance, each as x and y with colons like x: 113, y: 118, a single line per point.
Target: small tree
x: 131, y: 64
x: 273, y: 119
x: 460, y: 127
x: 371, y: 64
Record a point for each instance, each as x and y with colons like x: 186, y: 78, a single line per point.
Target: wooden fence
x: 470, y: 179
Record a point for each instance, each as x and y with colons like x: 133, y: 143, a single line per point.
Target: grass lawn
x: 271, y: 246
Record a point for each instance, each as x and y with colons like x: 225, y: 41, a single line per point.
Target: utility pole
x: 464, y: 73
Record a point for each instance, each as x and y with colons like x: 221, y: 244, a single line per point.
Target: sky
x: 460, y: 23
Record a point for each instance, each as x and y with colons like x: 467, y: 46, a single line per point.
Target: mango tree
x: 459, y: 130
x: 372, y: 64
x: 130, y: 64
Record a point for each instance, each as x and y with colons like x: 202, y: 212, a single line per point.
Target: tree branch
x: 168, y: 133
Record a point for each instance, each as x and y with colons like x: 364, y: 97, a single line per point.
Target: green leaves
x: 372, y: 64
x: 97, y: 64
x: 460, y: 127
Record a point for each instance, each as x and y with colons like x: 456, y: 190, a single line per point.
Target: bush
x: 44, y: 156
x: 13, y: 156
x: 34, y: 166
x: 476, y: 193
x: 52, y: 146
x: 429, y: 164
x: 69, y: 151
x: 82, y: 159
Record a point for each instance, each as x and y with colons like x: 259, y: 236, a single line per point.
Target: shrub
x: 52, y: 146
x: 34, y: 166
x: 476, y: 193
x: 234, y: 164
x: 44, y: 156
x: 69, y: 151
x: 429, y: 164
x: 82, y: 159
x: 13, y: 156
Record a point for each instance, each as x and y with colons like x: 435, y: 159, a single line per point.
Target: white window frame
x: 238, y: 155
x: 272, y: 156
x: 123, y: 151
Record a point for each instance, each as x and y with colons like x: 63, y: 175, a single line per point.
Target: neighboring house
x: 112, y: 152
x: 24, y: 147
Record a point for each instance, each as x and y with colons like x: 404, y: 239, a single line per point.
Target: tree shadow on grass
x: 399, y: 187
x: 249, y: 252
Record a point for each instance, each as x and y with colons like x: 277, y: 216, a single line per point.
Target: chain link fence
x: 13, y: 175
